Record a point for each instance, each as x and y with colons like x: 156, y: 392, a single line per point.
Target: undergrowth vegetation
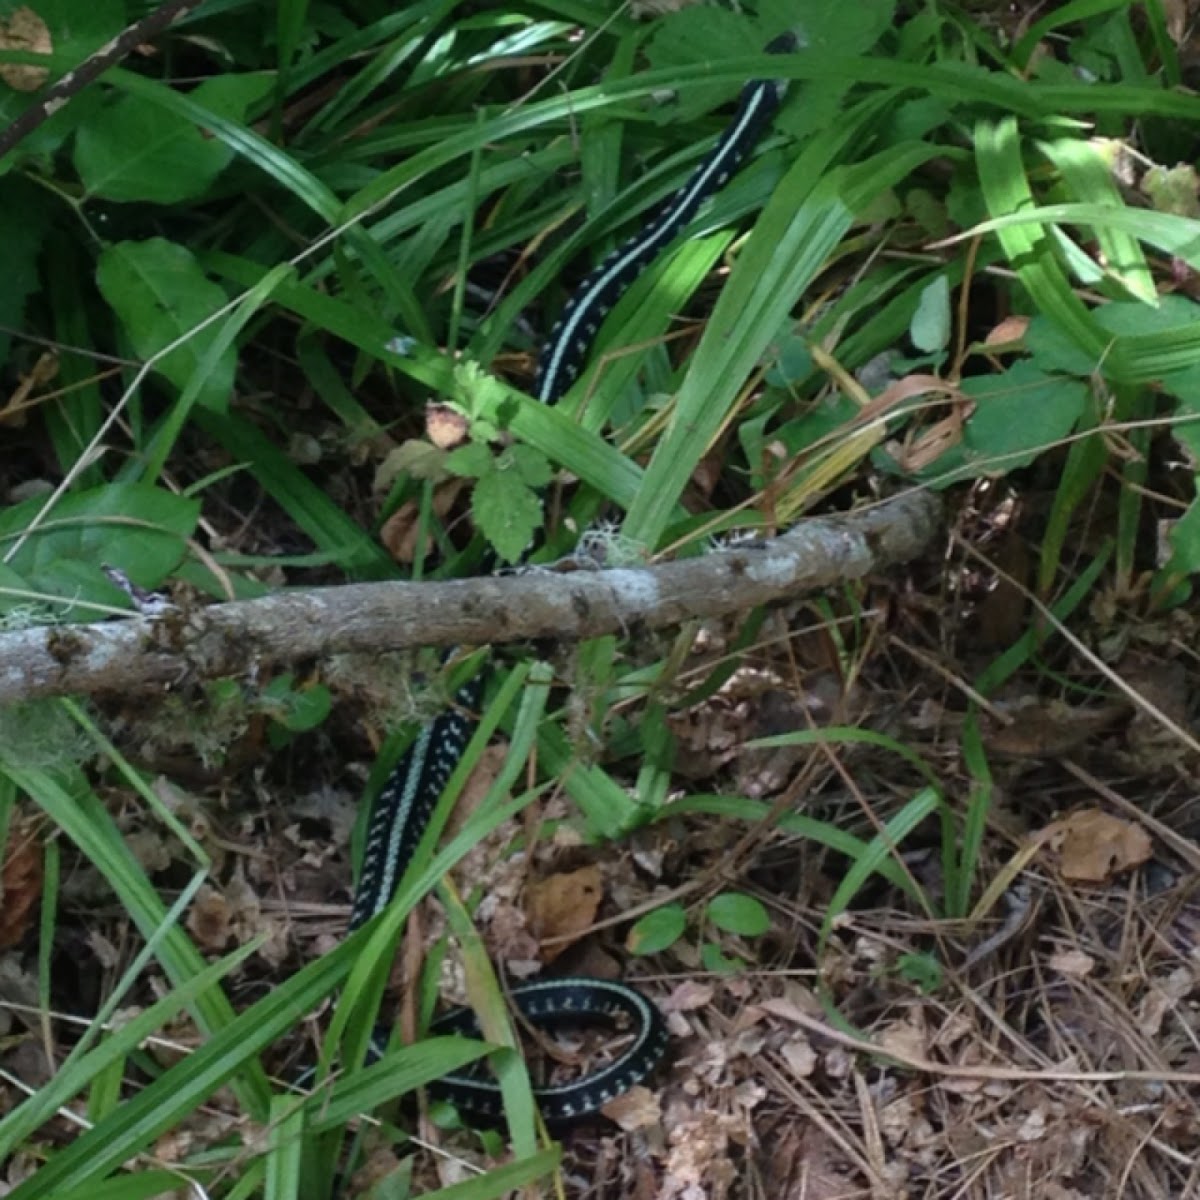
x: 908, y: 864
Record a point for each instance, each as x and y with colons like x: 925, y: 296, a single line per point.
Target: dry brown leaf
x: 1094, y: 846
x: 20, y: 884
x: 564, y: 906
x: 1051, y: 730
x: 689, y: 996
x: 1164, y: 996
x: 446, y: 426
x: 1073, y: 962
x: 637, y: 1108
x: 908, y: 1038
x: 933, y: 442
x: 1177, y: 18
x: 399, y: 532
x: 210, y: 920
x: 1010, y: 329
x: 800, y: 1057
x: 804, y: 1163
x: 25, y: 30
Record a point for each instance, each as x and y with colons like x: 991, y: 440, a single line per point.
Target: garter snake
x: 403, y: 807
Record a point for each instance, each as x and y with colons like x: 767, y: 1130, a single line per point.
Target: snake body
x: 404, y: 805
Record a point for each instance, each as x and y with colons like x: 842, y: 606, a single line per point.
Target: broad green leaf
x: 507, y: 512
x: 138, y: 529
x: 530, y: 464
x: 162, y: 297
x: 296, y: 709
x: 133, y: 151
x: 1184, y: 537
x: 657, y: 930
x: 922, y: 970
x: 23, y: 223
x: 714, y: 959
x: 930, y: 328
x: 473, y: 460
x: 1018, y: 415
x: 738, y: 913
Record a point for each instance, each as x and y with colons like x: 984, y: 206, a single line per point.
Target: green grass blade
x: 1089, y: 176
x: 328, y: 525
x: 284, y: 1150
x: 84, y: 820
x: 74, y: 1076
x: 177, y: 1093
x: 500, y: 1181
x: 797, y: 824
x: 1031, y: 253
x: 397, y: 1073
x: 165, y: 438
x: 883, y: 846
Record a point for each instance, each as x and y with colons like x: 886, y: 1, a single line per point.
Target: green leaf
x: 131, y: 150
x: 23, y: 223
x: 76, y: 31
x: 719, y: 963
x: 296, y: 709
x: 531, y: 464
x: 1173, y: 189
x: 923, y: 970
x: 474, y: 460
x: 506, y: 513
x: 657, y: 930
x: 161, y: 296
x: 138, y: 529
x: 738, y: 913
x: 930, y: 328
x: 1018, y: 414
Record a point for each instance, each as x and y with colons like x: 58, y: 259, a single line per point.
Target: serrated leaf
x: 474, y: 461
x: 930, y: 327
x: 506, y: 513
x: 416, y: 458
x: 532, y: 465
x: 658, y: 930
x: 738, y: 913
x: 160, y: 295
x: 475, y: 388
x: 1173, y: 189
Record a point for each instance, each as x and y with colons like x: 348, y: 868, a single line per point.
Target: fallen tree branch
x: 243, y: 636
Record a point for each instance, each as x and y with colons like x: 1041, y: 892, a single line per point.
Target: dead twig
x: 244, y: 636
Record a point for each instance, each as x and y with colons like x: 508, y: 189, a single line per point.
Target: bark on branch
x: 236, y: 638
